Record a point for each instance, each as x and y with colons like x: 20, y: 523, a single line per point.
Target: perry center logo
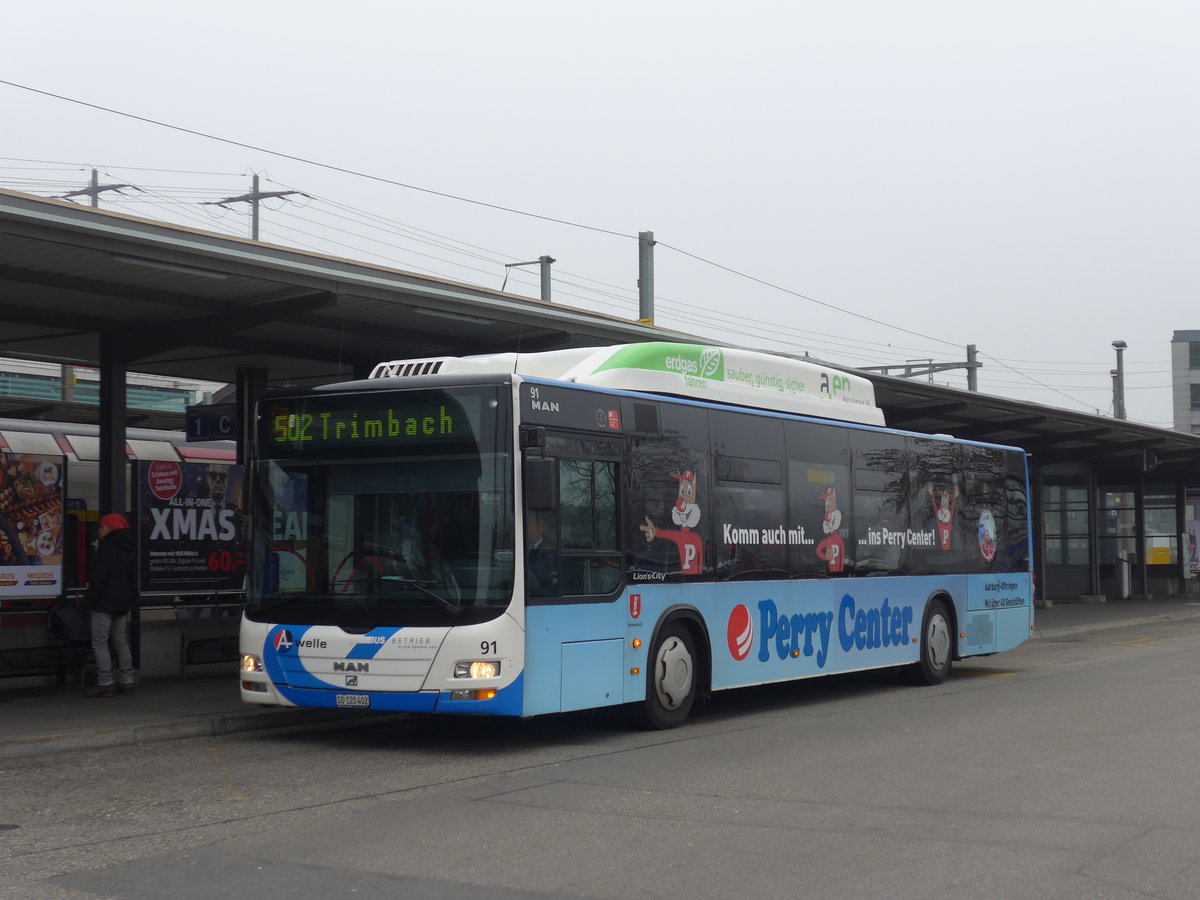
x: 740, y: 632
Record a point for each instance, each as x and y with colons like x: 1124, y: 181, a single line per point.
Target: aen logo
x: 283, y: 641
x: 740, y: 633
x: 710, y: 362
x: 839, y: 384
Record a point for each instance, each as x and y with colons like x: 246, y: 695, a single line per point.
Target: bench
x: 208, y: 629
x: 29, y: 650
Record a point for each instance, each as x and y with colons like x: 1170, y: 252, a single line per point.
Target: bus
x: 527, y: 533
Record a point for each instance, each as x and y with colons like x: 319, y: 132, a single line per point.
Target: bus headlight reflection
x: 251, y: 663
x: 479, y: 668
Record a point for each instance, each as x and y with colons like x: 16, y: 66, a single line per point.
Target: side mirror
x: 541, y: 487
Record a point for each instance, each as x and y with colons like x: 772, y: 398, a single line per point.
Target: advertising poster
x: 288, y: 571
x: 191, y: 527
x: 31, y: 525
x: 1191, y: 536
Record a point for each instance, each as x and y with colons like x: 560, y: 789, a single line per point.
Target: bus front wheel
x: 671, y: 678
x: 937, y: 645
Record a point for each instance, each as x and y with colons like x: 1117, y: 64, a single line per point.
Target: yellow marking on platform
x: 1136, y: 642
x: 237, y: 795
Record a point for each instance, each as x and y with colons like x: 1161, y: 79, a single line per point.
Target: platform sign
x: 215, y: 422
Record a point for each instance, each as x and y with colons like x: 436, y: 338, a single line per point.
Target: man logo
x: 351, y: 681
x: 710, y: 362
x: 740, y: 633
x: 635, y: 605
x: 283, y: 641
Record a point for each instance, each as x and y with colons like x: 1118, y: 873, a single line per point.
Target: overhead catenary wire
x: 74, y: 166
x: 311, y: 162
x: 175, y: 198
x: 790, y: 340
x: 780, y: 336
x: 629, y: 294
x: 444, y: 194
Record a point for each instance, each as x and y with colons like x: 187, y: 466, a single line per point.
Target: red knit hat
x: 114, y: 521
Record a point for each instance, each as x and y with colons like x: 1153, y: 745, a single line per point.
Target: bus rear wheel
x: 671, y: 678
x: 937, y: 645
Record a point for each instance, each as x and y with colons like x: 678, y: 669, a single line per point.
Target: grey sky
x: 1019, y: 176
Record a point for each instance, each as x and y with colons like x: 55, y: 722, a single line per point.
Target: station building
x: 1185, y: 381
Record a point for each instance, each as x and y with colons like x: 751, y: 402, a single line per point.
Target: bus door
x: 571, y: 516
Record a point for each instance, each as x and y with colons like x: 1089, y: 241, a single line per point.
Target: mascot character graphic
x: 833, y: 548
x: 944, y: 501
x: 686, y: 514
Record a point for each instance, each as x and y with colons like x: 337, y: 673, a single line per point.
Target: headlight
x: 251, y: 663
x: 479, y: 668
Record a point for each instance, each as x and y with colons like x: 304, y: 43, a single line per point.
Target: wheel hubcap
x: 674, y: 668
x: 938, y: 640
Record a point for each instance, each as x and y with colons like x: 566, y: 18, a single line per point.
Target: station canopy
x: 190, y: 304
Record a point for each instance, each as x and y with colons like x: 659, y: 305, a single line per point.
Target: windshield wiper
x: 423, y: 587
x: 276, y: 602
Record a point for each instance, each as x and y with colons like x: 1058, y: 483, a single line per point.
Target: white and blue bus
x: 520, y: 534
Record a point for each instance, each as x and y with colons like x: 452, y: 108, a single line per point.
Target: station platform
x: 46, y: 720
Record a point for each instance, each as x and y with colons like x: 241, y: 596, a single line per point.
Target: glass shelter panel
x: 1065, y: 519
x: 1118, y: 524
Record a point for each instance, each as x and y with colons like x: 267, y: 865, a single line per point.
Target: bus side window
x: 937, y: 498
x: 880, y: 504
x: 819, y: 510
x: 751, y: 501
x: 984, y: 513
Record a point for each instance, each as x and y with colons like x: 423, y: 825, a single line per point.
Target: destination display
x: 392, y: 419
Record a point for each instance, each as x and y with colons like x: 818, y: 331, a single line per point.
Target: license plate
x: 353, y: 701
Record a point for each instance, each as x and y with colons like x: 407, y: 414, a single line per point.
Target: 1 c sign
x: 217, y: 422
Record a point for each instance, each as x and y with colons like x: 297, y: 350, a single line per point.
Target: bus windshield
x: 383, y: 509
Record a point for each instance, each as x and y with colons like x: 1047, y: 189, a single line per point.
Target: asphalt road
x: 1063, y: 769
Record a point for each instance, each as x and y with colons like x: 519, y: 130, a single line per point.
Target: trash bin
x: 1124, y: 576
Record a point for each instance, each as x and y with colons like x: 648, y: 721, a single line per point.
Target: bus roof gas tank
x: 702, y: 372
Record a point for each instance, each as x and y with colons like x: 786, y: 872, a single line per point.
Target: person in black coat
x: 541, y: 570
x: 110, y: 594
